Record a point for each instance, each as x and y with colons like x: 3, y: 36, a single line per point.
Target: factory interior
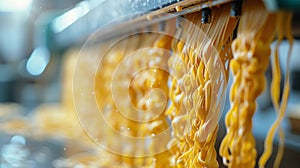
x: 149, y: 83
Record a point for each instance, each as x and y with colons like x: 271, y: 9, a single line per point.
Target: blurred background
x: 32, y: 44
x: 29, y: 71
x: 35, y: 35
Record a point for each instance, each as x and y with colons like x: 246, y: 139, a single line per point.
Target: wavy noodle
x: 133, y: 50
x: 193, y: 114
x: 251, y: 51
x: 194, y: 92
x: 283, y: 29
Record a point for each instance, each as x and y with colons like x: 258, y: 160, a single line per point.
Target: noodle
x: 251, y: 52
x: 194, y: 116
x: 200, y: 62
x: 141, y: 84
x: 284, y: 19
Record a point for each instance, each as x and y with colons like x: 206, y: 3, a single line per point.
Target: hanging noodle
x: 193, y: 114
x: 283, y: 29
x: 251, y: 50
x: 194, y: 105
x: 135, y: 55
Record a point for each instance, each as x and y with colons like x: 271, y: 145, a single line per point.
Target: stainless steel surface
x: 126, y: 15
x: 121, y: 17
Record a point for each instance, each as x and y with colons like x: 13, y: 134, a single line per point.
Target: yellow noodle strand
x: 250, y: 50
x: 281, y: 109
x: 191, y: 93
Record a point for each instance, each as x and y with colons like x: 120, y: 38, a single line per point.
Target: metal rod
x: 206, y: 15
x: 236, y: 8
